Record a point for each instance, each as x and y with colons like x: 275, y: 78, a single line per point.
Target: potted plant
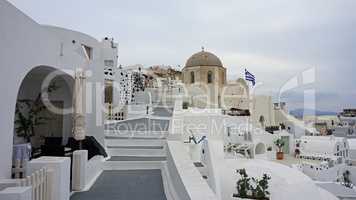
x: 279, y: 144
x: 28, y: 115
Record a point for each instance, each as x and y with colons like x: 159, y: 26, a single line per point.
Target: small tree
x: 279, y: 144
x: 27, y: 115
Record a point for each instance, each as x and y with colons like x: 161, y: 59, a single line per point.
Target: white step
x: 132, y: 165
x: 136, y: 152
x: 136, y: 158
x: 134, y: 142
x: 135, y: 135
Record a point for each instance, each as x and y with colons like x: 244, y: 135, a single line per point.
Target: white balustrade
x: 39, y: 183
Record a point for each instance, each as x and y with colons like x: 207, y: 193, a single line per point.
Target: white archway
x: 55, y: 122
x: 260, y: 148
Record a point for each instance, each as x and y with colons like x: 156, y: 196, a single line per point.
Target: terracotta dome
x: 203, y: 58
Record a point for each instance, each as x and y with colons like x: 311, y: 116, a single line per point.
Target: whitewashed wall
x: 327, y: 175
x: 263, y: 105
x: 24, y: 45
x: 185, y: 180
x: 207, y: 122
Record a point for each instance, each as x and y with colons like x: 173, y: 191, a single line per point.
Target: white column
x: 79, y: 168
x: 79, y: 105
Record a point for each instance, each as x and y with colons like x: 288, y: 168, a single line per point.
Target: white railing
x: 39, y: 182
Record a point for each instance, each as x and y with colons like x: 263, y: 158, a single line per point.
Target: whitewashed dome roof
x: 203, y: 58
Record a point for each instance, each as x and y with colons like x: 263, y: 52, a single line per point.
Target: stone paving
x: 125, y: 185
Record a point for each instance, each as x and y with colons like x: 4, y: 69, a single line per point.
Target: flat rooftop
x: 291, y: 160
x: 339, y: 190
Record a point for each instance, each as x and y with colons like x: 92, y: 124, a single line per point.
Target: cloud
x: 275, y: 39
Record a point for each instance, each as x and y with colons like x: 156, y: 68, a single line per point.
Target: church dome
x: 203, y: 58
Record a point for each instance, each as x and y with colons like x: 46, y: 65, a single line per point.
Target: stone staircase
x: 135, y: 151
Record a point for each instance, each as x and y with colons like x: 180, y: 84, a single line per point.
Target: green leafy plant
x: 260, y: 191
x: 252, y: 188
x: 243, y: 184
x: 346, y: 179
x: 269, y: 149
x: 185, y: 105
x: 27, y: 115
x: 279, y: 144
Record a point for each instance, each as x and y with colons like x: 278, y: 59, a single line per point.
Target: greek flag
x: 250, y: 77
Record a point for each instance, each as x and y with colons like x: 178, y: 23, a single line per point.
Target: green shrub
x: 252, y: 188
x: 185, y: 105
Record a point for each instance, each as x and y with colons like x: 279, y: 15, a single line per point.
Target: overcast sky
x: 275, y: 39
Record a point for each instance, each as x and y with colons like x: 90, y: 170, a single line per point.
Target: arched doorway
x: 260, y: 149
x: 36, y: 122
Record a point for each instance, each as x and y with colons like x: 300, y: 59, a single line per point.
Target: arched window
x: 210, y: 77
x: 192, y: 77
x: 108, y: 93
x: 262, y: 120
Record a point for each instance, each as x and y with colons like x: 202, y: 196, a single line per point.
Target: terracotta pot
x: 280, y: 155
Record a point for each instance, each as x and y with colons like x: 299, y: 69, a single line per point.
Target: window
x: 210, y: 77
x: 88, y: 51
x: 192, y: 77
x: 109, y: 63
x: 108, y: 70
x: 108, y: 92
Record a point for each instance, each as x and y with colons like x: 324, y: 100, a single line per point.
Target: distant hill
x: 298, y: 113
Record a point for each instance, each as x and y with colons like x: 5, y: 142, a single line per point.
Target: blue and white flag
x: 250, y: 77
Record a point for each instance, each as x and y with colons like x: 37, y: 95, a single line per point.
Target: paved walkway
x: 126, y: 185
x: 163, y: 112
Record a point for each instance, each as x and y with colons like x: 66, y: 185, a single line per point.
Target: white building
x: 352, y: 150
x: 30, y: 52
x: 128, y: 82
x: 325, y: 145
x: 25, y: 62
